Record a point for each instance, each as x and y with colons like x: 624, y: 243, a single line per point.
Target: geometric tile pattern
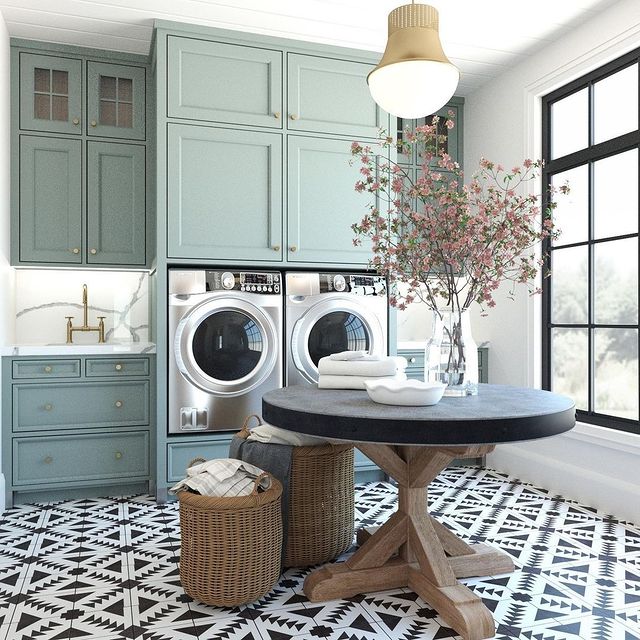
x: 107, y: 569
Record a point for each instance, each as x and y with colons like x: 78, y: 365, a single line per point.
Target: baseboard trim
x: 3, y: 504
x: 610, y: 495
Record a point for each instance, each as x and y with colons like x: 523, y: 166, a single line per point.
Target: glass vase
x: 451, y: 354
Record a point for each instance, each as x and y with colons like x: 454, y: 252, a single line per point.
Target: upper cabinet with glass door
x: 115, y: 101
x: 50, y: 93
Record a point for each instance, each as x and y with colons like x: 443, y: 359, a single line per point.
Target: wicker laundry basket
x: 321, y: 497
x: 230, y: 547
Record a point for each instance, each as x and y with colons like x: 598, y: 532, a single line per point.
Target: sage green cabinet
x: 322, y: 202
x: 50, y: 93
x: 71, y: 425
x: 331, y: 96
x: 222, y: 82
x: 116, y: 100
x: 50, y: 200
x: 224, y: 195
x: 116, y: 203
x: 79, y: 190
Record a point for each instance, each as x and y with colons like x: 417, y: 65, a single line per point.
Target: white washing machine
x: 225, y: 346
x: 327, y: 313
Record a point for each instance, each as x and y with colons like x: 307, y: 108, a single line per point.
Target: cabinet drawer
x: 78, y: 405
x: 180, y: 454
x: 103, y: 367
x: 72, y: 458
x: 46, y: 369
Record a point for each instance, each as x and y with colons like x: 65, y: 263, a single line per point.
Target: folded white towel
x: 275, y: 435
x: 327, y: 381
x: 354, y: 355
x: 387, y: 366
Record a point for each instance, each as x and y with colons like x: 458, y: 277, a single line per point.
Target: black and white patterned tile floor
x: 107, y: 569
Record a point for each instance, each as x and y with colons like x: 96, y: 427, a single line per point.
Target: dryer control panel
x: 264, y: 282
x: 353, y: 283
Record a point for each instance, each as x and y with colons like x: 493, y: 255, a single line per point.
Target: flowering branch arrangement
x: 451, y: 243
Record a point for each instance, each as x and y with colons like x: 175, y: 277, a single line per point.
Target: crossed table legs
x: 415, y: 550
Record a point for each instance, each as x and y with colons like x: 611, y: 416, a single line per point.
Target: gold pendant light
x: 414, y: 78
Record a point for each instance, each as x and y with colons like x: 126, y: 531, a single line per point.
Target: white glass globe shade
x: 413, y: 88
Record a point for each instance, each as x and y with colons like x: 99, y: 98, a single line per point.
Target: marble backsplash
x: 45, y: 297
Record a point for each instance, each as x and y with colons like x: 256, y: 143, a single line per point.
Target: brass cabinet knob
x: 276, y: 115
x: 293, y: 116
x: 76, y: 121
x: 119, y: 403
x: 48, y: 369
x: 118, y: 455
x: 93, y: 251
x: 75, y: 250
x: 293, y: 248
x: 48, y: 459
x: 118, y: 367
x: 94, y: 123
x: 48, y: 407
x: 276, y: 247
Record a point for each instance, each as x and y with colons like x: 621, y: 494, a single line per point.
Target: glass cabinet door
x: 115, y: 101
x: 50, y: 93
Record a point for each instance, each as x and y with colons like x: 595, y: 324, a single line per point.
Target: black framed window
x: 591, y: 138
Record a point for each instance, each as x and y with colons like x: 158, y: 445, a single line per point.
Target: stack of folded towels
x: 349, y: 369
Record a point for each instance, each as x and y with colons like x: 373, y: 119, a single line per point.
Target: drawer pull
x: 48, y: 459
x: 48, y: 407
x: 94, y: 123
x: 118, y: 367
x: 119, y: 403
x: 48, y: 369
x: 93, y: 252
x: 276, y: 115
x: 294, y: 116
x: 276, y: 247
x: 293, y: 248
x: 75, y: 251
x: 118, y: 455
x: 76, y: 121
x: 412, y: 360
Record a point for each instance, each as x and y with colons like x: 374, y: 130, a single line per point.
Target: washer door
x: 226, y: 346
x: 332, y: 326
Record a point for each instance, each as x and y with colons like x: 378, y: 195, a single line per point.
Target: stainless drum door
x: 331, y: 326
x: 226, y: 346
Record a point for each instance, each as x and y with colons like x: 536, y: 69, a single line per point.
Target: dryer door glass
x: 337, y: 331
x: 227, y: 345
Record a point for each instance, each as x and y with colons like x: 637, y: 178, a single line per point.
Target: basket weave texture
x: 320, y: 504
x: 230, y: 547
x: 321, y: 497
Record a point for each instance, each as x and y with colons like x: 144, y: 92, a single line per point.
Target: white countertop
x: 77, y: 349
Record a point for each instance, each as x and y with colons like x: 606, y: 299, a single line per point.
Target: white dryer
x: 327, y: 313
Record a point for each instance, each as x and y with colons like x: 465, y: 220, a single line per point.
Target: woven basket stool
x: 321, y: 498
x: 230, y: 547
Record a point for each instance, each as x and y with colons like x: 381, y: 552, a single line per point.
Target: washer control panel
x: 263, y: 282
x: 353, y: 283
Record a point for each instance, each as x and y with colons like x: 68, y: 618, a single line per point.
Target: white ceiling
x: 482, y: 37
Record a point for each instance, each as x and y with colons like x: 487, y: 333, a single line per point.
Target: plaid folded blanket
x: 222, y: 478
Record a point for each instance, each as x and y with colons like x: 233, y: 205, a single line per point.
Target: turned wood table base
x: 413, y: 549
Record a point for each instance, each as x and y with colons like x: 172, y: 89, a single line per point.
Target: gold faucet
x: 85, y: 326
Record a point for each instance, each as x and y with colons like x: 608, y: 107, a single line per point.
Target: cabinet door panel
x: 224, y: 194
x: 116, y: 203
x: 50, y: 200
x: 331, y: 96
x: 50, y: 93
x: 323, y: 203
x: 116, y: 101
x: 224, y: 82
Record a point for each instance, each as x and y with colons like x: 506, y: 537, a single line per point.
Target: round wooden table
x: 413, y: 445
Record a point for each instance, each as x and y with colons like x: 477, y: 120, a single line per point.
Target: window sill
x: 604, y: 437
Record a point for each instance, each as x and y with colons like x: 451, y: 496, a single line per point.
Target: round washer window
x: 227, y: 345
x: 337, y: 331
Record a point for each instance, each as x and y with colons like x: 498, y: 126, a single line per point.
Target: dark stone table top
x: 499, y: 413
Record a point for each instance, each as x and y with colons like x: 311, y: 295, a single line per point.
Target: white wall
x: 502, y: 123
x: 7, y: 280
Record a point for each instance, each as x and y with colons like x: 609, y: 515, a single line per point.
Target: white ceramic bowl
x: 409, y: 393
